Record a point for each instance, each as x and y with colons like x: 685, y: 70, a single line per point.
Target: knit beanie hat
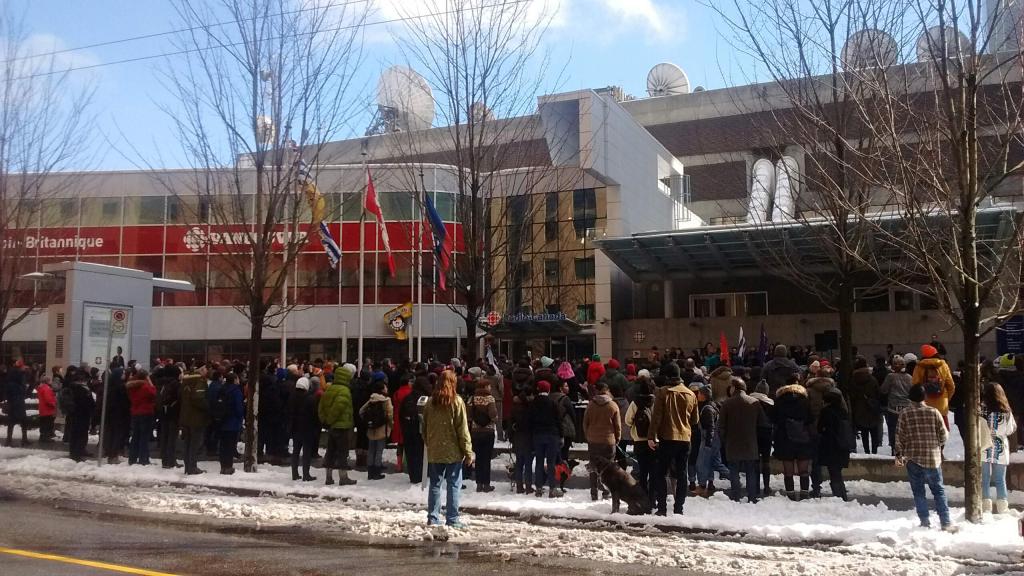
x: 613, y: 364
x: 543, y: 387
x: 546, y: 362
x: 909, y: 357
x: 596, y: 358
x: 929, y: 351
x: 302, y: 383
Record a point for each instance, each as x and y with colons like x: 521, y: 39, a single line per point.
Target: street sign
x: 118, y: 321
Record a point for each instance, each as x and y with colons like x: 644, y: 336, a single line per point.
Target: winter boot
x: 788, y: 483
x: 986, y: 506
x: 306, y: 477
x: 295, y: 473
x: 593, y: 494
x: 398, y: 463
x: 520, y: 489
x: 343, y: 479
x: 330, y: 477
x: 709, y: 489
x: 1002, y: 506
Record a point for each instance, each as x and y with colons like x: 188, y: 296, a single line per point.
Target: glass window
x: 755, y: 304
x: 551, y: 216
x: 584, y: 210
x: 927, y: 302
x: 351, y: 207
x: 396, y: 205
x: 144, y: 210
x: 903, y: 300
x: 187, y: 209
x: 701, y: 308
x: 585, y: 314
x: 871, y: 300
x: 552, y: 308
x: 551, y: 271
x: 518, y: 209
x: 60, y: 212
x: 101, y: 211
x: 445, y: 204
x: 584, y: 268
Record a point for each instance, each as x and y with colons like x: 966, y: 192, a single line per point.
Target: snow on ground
x: 392, y: 507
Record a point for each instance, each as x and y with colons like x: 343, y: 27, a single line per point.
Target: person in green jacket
x: 449, y: 446
x: 193, y: 418
x: 335, y: 413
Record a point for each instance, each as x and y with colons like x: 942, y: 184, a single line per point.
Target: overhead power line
x: 232, y: 44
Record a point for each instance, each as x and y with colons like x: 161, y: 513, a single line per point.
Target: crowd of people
x: 673, y: 421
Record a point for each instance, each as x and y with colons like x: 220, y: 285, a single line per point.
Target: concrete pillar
x: 667, y: 292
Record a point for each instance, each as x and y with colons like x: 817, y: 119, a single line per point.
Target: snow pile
x: 875, y: 528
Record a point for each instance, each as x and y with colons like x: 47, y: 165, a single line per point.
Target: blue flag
x: 442, y: 243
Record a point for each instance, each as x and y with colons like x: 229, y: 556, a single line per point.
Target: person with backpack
x: 934, y: 375
x: 794, y: 443
x: 411, y: 422
x: 638, y: 419
x: 194, y: 418
x: 142, y: 398
x: 603, y: 428
x: 483, y: 415
x: 403, y: 389
x: 231, y: 407
x: 377, y: 414
x: 546, y: 428
x: 865, y: 404
x: 335, y: 413
x: 835, y: 440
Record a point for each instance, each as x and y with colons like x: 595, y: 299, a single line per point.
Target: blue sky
x: 600, y: 43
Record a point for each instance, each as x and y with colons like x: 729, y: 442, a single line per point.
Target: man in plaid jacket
x: 920, y: 435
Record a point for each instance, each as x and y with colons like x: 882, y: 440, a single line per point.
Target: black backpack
x: 219, y: 406
x: 375, y: 416
x: 409, y: 411
x: 66, y: 400
x: 480, y: 416
x: 642, y: 419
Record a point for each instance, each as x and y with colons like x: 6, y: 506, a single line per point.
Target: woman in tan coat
x: 377, y: 414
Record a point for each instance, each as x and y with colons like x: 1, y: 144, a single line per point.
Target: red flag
x: 724, y: 354
x: 371, y: 205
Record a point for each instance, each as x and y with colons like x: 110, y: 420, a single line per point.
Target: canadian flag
x: 371, y: 205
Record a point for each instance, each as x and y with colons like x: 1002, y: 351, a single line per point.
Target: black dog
x: 622, y: 487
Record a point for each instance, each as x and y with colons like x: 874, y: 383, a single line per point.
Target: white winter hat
x: 643, y: 373
x: 350, y: 367
x: 302, y: 383
x: 909, y: 357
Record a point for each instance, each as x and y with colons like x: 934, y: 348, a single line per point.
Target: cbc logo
x: 196, y: 239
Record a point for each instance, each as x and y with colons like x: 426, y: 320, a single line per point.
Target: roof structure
x: 742, y: 250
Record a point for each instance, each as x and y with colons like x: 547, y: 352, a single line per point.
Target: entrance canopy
x: 749, y: 249
x: 529, y: 326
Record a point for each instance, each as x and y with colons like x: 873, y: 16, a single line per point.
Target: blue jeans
x: 452, y: 476
x: 919, y: 477
x: 375, y: 453
x: 993, y: 474
x: 138, y: 446
x: 750, y: 468
x: 546, y: 447
x: 709, y: 461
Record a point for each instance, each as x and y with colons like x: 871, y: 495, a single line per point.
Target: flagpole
x: 419, y: 286
x: 362, y: 271
x: 412, y: 276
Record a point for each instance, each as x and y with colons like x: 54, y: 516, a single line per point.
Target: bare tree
x: 262, y: 81
x: 945, y: 151
x: 45, y: 129
x: 810, y: 111
x: 485, y: 65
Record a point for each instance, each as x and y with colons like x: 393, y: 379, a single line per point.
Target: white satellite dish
x: 930, y: 43
x: 403, y: 90
x: 869, y: 48
x: 265, y: 129
x: 667, y: 79
x: 480, y: 112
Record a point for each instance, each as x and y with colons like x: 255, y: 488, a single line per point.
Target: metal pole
x: 344, y: 341
x: 284, y: 322
x: 106, y: 386
x: 458, y: 342
x: 419, y: 291
x: 412, y: 283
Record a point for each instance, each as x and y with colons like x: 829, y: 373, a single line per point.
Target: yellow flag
x: 398, y: 320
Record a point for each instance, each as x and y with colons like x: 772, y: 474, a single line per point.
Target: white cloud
x: 660, y: 21
x: 42, y: 45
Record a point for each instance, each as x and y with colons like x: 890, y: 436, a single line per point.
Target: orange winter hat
x: 929, y: 351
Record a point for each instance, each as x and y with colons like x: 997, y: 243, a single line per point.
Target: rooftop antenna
x: 667, y: 79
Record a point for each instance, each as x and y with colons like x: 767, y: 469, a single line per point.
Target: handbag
x: 984, y: 434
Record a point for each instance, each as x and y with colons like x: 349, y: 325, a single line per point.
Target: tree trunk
x: 845, y: 312
x: 970, y: 379
x: 252, y: 394
x: 470, y: 349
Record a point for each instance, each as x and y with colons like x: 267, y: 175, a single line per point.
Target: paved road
x: 71, y: 538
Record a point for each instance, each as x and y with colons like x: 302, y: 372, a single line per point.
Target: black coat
x: 303, y: 421
x: 271, y: 406
x: 544, y: 418
x: 14, y: 394
x: 84, y: 403
x: 835, y: 436
x: 794, y: 434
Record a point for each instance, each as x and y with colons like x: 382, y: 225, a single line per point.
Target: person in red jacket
x: 396, y: 431
x: 142, y: 396
x: 47, y: 409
